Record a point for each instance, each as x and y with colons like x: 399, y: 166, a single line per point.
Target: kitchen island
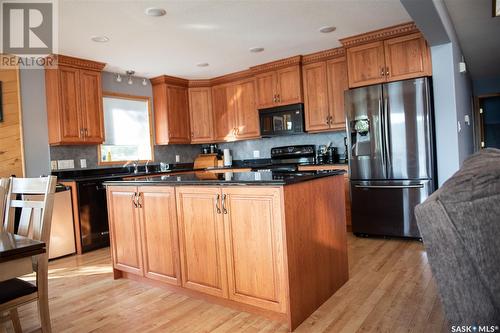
x: 271, y: 243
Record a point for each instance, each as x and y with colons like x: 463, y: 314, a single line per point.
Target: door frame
x: 478, y: 123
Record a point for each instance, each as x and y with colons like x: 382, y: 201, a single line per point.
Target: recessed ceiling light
x: 100, y: 39
x: 256, y: 49
x: 327, y: 29
x: 153, y: 11
x: 203, y: 64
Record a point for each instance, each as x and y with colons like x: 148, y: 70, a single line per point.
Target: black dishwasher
x: 93, y: 211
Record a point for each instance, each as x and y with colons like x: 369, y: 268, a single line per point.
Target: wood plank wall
x: 11, y: 147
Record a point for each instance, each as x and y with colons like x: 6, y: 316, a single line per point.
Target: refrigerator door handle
x: 382, y: 144
x: 387, y: 139
x: 389, y: 186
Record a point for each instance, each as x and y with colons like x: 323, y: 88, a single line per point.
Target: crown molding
x: 166, y: 79
x: 296, y: 60
x: 228, y: 78
x: 381, y: 34
x: 76, y: 62
x: 205, y: 83
x: 323, y: 55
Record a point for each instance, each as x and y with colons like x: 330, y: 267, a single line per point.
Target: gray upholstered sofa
x: 460, y: 227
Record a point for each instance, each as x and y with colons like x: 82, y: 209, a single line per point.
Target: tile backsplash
x: 187, y: 154
x: 242, y: 150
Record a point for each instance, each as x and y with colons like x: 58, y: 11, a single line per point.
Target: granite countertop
x: 229, y: 178
x: 113, y: 173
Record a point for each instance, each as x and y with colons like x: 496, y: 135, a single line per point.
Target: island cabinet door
x: 253, y: 224
x: 125, y: 229
x: 201, y: 239
x: 160, y: 245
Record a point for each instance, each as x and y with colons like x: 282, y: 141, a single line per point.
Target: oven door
x: 282, y: 120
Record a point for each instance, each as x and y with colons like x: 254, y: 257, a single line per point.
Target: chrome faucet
x: 136, y: 166
x: 147, y: 163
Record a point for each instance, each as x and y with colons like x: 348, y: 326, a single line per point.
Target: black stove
x: 286, y: 159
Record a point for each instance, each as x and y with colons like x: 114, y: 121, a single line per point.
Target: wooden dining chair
x: 36, y: 202
x: 4, y: 187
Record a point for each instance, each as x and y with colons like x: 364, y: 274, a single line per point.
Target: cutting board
x: 204, y: 161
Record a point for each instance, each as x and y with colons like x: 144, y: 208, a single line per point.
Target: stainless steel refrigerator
x: 391, y: 155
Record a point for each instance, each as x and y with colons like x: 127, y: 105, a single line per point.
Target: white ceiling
x: 479, y: 35
x: 217, y: 32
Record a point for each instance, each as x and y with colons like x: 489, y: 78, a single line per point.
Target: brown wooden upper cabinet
x: 235, y: 113
x: 324, y: 86
x: 279, y: 87
x: 171, y: 110
x: 223, y: 114
x: 389, y: 60
x: 201, y: 115
x: 74, y: 102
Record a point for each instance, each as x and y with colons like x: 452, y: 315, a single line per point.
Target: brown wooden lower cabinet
x: 143, y: 229
x: 124, y: 229
x: 158, y: 220
x: 201, y: 231
x: 281, y: 249
x: 254, y: 242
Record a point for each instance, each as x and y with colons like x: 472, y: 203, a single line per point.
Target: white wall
x: 444, y: 111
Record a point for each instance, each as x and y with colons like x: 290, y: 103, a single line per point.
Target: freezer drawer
x: 386, y: 208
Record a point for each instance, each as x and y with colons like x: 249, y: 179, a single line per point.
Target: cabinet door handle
x: 139, y: 200
x: 86, y: 132
x: 82, y: 135
x: 224, y: 210
x: 217, y: 203
x: 382, y: 71
x: 387, y: 71
x: 278, y: 98
x: 133, y: 200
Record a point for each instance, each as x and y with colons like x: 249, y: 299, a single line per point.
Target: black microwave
x: 282, y: 120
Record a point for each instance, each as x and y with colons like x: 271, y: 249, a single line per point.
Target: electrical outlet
x: 83, y: 163
x: 65, y: 164
x: 177, y: 158
x: 53, y: 165
x: 256, y: 153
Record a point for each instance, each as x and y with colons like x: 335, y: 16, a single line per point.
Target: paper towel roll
x: 228, y: 159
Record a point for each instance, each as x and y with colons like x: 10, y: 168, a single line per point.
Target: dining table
x: 16, y: 254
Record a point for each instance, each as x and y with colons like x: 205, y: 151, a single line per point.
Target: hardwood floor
x: 390, y: 289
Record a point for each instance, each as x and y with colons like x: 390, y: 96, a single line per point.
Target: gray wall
x: 242, y: 150
x: 452, y: 90
x: 35, y: 132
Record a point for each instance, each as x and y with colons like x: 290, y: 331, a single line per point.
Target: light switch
x: 177, y: 158
x: 83, y: 163
x: 467, y: 119
x: 256, y: 153
x: 53, y: 165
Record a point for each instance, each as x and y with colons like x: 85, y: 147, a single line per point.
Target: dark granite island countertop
x: 229, y: 178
